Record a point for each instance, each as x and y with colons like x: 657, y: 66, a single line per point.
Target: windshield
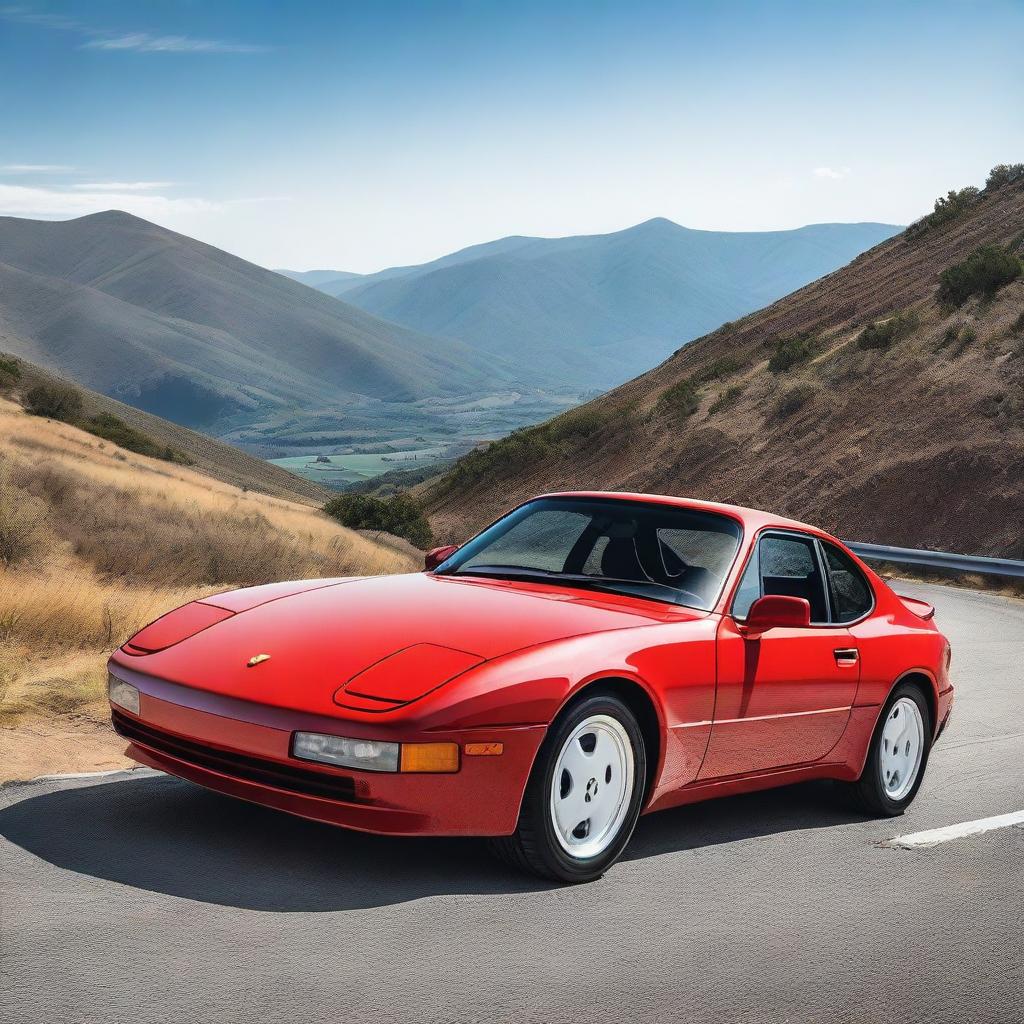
x: 662, y: 552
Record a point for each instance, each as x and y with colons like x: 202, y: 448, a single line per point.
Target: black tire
x: 868, y: 792
x: 534, y: 846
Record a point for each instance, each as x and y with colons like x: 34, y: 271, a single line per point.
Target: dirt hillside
x: 911, y: 434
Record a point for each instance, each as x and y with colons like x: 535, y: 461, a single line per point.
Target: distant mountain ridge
x: 592, y: 310
x: 187, y: 331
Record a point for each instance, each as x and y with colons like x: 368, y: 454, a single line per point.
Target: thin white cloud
x: 143, y: 42
x: 52, y: 203
x: 122, y: 186
x: 833, y: 173
x: 35, y: 169
x: 32, y: 201
x: 134, y: 42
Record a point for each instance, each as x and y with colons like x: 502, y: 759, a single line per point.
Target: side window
x: 851, y: 592
x: 789, y: 568
x: 785, y: 566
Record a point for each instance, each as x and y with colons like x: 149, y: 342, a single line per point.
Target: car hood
x: 383, y: 639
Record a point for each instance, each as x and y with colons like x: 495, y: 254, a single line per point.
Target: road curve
x: 145, y: 899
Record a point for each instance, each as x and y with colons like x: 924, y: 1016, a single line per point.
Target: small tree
x: 983, y: 273
x: 1004, y: 174
x: 55, y: 401
x: 399, y: 515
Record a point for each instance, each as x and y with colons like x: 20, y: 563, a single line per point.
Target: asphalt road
x: 146, y: 899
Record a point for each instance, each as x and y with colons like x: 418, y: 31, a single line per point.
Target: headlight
x: 123, y: 694
x: 377, y: 756
x: 370, y: 755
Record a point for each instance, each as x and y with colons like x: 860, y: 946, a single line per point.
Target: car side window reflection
x: 785, y: 566
x: 851, y: 593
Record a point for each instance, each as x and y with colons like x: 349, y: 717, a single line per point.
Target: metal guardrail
x: 939, y: 560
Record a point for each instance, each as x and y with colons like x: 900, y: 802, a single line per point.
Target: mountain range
x: 185, y: 330
x: 592, y: 310
x: 470, y: 346
x: 868, y: 402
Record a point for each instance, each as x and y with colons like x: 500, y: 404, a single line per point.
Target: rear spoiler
x: 922, y: 609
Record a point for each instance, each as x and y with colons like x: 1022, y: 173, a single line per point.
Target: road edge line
x: 936, y: 836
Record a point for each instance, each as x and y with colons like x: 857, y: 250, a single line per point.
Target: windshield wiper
x: 521, y: 572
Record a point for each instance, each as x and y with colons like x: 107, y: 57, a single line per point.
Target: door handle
x: 846, y: 655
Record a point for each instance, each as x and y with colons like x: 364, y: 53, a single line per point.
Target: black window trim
x: 828, y: 581
x: 819, y: 560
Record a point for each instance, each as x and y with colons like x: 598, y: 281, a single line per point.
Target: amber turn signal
x: 429, y: 757
x: 484, y: 749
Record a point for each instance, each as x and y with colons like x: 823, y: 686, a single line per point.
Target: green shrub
x: 724, y: 367
x: 792, y: 350
x: 399, y: 515
x: 110, y: 428
x: 947, y: 208
x: 10, y: 371
x: 682, y: 399
x: 983, y: 273
x: 55, y: 401
x: 795, y: 397
x: 1004, y: 174
x: 724, y: 400
x: 885, y: 332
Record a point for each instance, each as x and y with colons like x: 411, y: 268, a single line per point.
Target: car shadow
x: 167, y: 836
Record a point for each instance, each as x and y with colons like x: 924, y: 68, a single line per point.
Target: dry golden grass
x: 95, y: 542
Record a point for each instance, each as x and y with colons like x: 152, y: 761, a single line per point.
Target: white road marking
x: 935, y: 836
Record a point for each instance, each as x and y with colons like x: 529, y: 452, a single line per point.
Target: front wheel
x: 898, y: 754
x: 584, y: 795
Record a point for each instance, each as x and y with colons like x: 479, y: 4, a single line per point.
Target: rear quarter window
x: 851, y: 593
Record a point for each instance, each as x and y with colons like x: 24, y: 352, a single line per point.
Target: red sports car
x: 587, y: 658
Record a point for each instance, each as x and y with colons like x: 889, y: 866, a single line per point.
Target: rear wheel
x: 898, y: 754
x: 584, y: 795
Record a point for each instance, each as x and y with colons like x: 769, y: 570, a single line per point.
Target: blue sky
x: 359, y: 135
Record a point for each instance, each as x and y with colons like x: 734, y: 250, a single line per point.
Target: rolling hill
x: 179, y: 328
x: 860, y: 402
x: 216, y: 459
x: 593, y: 310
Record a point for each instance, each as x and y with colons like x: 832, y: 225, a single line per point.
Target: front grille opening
x: 239, y: 766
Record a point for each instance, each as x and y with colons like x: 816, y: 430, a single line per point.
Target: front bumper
x: 243, y: 750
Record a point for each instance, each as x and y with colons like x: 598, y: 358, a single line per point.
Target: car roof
x: 753, y: 519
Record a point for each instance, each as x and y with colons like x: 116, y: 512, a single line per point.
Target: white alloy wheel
x: 901, y: 748
x: 591, y: 786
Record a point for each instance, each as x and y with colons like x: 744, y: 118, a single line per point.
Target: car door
x: 784, y: 696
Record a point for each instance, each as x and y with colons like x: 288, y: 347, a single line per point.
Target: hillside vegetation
x: 224, y: 462
x: 884, y: 402
x: 95, y: 541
